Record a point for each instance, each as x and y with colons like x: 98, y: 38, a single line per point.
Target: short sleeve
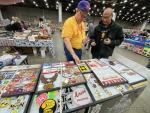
x: 67, y: 30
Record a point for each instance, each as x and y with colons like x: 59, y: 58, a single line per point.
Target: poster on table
x: 52, y: 78
x: 132, y: 77
x: 16, y: 104
x: 108, y: 77
x: 20, y: 67
x: 93, y: 63
x: 23, y: 82
x: 5, y: 78
x: 117, y: 66
x: 71, y: 98
x: 83, y: 68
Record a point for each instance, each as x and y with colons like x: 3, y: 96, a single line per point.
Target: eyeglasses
x: 83, y: 14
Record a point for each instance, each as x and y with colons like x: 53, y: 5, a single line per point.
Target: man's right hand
x: 93, y: 43
x: 76, y: 58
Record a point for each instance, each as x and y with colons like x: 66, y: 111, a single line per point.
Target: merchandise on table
x: 95, y: 88
x: 17, y: 104
x: 100, y: 92
x: 23, y: 82
x: 72, y: 76
x: 84, y: 68
x: 5, y: 78
x: 93, y: 63
x: 20, y: 67
x: 124, y: 88
x: 132, y: 77
x: 115, y: 65
x: 72, y: 97
x: 49, y: 79
x: 52, y: 79
x: 108, y: 77
x: 138, y: 45
x: 140, y: 85
x: 60, y: 64
x: 146, y: 52
x: 6, y: 60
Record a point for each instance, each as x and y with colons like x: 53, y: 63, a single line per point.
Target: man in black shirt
x: 106, y: 36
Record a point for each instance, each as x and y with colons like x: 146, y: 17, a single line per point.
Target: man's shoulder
x: 70, y: 20
x: 117, y: 26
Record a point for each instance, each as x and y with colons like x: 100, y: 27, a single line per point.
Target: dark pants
x: 69, y: 56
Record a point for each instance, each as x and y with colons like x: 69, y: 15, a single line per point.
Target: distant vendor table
x: 26, y: 43
x: 22, y: 60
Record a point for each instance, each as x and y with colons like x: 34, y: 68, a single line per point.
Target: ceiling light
x: 69, y: 4
x: 36, y: 5
x: 45, y: 0
x: 103, y: 2
x: 131, y: 9
x: 125, y: 1
x: 143, y: 7
x: 95, y: 5
x: 34, y: 2
x: 136, y: 5
x: 131, y: 3
x: 124, y: 7
x: 113, y: 4
x: 72, y: 1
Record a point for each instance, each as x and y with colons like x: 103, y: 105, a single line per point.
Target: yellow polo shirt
x: 74, y: 31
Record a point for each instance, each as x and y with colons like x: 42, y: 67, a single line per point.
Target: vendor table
x: 26, y: 43
x: 66, y: 87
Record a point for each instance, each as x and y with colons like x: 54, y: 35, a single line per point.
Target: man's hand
x: 93, y: 43
x: 76, y: 58
x: 107, y: 41
x: 86, y: 40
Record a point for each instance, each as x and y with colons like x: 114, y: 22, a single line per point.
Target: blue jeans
x: 69, y: 56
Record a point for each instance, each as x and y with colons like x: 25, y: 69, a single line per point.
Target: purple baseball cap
x: 84, y: 6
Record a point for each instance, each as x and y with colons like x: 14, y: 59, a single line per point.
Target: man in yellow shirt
x: 73, y: 32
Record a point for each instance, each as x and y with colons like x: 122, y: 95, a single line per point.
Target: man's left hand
x: 107, y: 41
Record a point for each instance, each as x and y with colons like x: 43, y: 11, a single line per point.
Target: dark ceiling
x: 135, y: 11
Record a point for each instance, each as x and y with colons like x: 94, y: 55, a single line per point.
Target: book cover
x: 5, y: 78
x: 83, y: 68
x: 108, y: 77
x: 23, y: 82
x: 95, y: 88
x: 93, y: 63
x: 132, y: 77
x: 16, y: 104
x: 71, y: 97
x: 49, y: 79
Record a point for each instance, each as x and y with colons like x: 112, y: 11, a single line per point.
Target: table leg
x: 34, y: 51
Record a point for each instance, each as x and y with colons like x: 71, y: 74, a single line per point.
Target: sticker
x: 48, y: 106
x: 81, y: 96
